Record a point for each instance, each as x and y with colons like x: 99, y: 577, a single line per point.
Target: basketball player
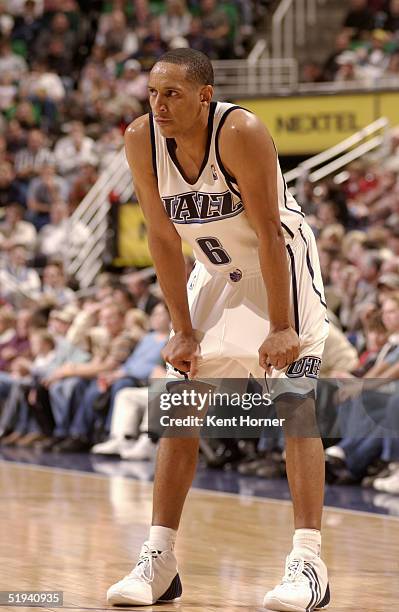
x: 208, y: 173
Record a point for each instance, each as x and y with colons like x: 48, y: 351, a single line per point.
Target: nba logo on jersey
x: 214, y: 173
x: 236, y: 275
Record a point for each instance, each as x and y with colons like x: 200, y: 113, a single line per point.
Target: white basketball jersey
x: 209, y: 214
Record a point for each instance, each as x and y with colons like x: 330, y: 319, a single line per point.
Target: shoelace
x: 145, y: 565
x: 293, y: 571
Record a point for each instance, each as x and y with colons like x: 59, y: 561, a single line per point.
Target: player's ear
x: 206, y: 94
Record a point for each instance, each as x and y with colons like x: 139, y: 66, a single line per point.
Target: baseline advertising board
x: 302, y: 125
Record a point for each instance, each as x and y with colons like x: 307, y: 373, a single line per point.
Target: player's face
x: 176, y: 102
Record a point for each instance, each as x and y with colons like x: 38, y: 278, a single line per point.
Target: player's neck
x: 193, y: 142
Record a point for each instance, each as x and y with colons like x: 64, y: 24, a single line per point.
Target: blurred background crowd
x: 366, y: 49
x: 75, y: 365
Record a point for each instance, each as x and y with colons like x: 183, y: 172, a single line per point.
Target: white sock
x: 162, y: 538
x: 307, y: 540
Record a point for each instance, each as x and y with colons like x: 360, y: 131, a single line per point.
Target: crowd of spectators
x: 74, y: 365
x: 367, y: 47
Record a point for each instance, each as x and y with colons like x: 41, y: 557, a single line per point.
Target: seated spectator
x: 136, y: 322
x: 375, y: 59
x: 54, y: 287
x: 72, y: 151
x: 26, y: 113
x: 16, y: 347
x: 14, y: 230
x: 122, y: 296
x: 6, y: 20
x: 44, y: 83
x: 196, y: 37
x: 361, y: 416
x: 133, y: 373
x: 10, y: 188
x: 18, y: 343
x: 8, y: 91
x: 338, y: 354
x: 26, y: 25
x: 346, y: 67
x: 216, y: 29
x: 18, y: 282
x: 133, y: 82
x: 139, y: 286
x: 151, y: 48
x: 30, y: 160
x: 391, y: 17
x: 57, y: 239
x: 359, y: 18
x: 85, y: 179
x: 312, y: 72
x: 387, y: 479
x: 129, y: 428
x: 332, y: 65
x: 175, y: 21
x: 10, y: 62
x: 142, y: 18
x: 107, y: 145
x: 18, y: 414
x: 43, y: 192
x: 27, y: 429
x: 7, y: 328
x: 117, y: 39
x: 57, y: 44
x: 16, y: 139
x: 64, y: 380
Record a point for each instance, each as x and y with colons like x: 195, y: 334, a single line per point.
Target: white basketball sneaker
x: 304, y: 587
x: 154, y: 579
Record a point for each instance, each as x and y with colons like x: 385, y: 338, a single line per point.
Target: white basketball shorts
x: 230, y: 317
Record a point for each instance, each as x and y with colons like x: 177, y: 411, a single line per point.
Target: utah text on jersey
x: 198, y: 207
x: 306, y: 366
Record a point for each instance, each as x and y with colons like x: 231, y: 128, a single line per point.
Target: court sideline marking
x: 195, y: 490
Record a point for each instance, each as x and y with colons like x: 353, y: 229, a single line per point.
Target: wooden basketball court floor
x: 79, y: 532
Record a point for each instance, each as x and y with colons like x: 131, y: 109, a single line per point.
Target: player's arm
x: 249, y: 155
x: 163, y: 240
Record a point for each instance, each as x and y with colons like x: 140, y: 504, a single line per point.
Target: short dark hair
x: 198, y: 65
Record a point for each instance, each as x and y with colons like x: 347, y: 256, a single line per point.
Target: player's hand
x: 182, y: 352
x: 279, y: 349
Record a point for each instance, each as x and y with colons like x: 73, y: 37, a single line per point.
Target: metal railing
x: 267, y: 77
x: 93, y: 210
x: 373, y: 137
x: 92, y: 213
x: 237, y: 78
x: 289, y: 23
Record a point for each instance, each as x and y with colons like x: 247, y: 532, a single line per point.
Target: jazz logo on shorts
x: 307, y: 366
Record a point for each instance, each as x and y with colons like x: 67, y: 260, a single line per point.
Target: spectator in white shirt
x: 11, y: 62
x: 45, y: 83
x: 14, y: 230
x: 6, y: 20
x: 133, y: 82
x: 16, y: 7
x: 18, y: 283
x: 176, y: 21
x: 59, y: 238
x: 72, y: 151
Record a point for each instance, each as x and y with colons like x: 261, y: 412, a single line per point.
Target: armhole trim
x: 153, y: 146
x: 229, y: 179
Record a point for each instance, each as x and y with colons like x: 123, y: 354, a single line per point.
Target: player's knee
x: 298, y: 414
